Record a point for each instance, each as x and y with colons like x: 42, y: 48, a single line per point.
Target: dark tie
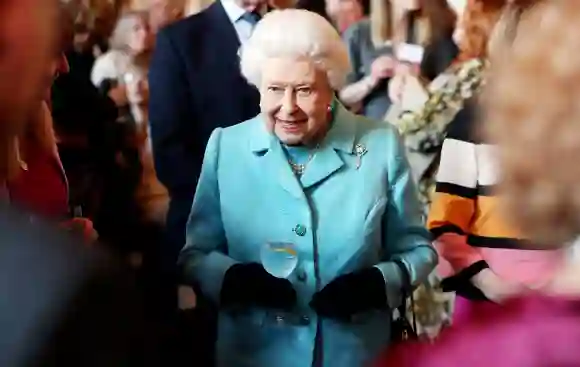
x: 252, y: 17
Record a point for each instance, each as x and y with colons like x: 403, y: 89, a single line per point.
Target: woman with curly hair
x: 537, y: 133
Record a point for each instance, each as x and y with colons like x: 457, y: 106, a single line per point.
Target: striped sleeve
x: 453, y: 208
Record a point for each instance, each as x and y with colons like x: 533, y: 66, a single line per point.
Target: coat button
x: 300, y: 230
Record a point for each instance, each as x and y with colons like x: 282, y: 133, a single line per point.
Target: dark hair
x: 68, y: 28
x: 441, y: 17
x: 316, y: 6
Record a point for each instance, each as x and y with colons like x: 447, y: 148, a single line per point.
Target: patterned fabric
x: 424, y: 130
x: 469, y: 229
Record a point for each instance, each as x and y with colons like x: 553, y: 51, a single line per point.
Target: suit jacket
x: 196, y: 86
x: 347, y: 212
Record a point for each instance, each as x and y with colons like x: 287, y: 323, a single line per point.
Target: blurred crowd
x: 289, y: 183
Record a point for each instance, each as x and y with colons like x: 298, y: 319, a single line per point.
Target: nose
x: 289, y: 102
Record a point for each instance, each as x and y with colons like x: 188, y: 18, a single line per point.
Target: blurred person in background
x: 37, y: 181
x: 164, y: 12
x: 344, y: 13
x: 316, y: 6
x: 191, y: 79
x: 124, y: 68
x: 484, y: 257
x: 80, y: 57
x: 372, y: 44
x: 61, y: 304
x: 196, y: 86
x: 424, y: 118
x: 105, y: 18
x: 84, y: 126
x: 138, y: 204
x: 426, y: 112
x: 537, y: 137
x: 126, y: 65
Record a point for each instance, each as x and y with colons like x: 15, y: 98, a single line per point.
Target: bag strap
x: 407, y: 292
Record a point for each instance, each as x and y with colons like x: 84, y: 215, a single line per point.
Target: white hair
x: 296, y: 33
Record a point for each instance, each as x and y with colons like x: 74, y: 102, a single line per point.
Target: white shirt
x: 243, y: 27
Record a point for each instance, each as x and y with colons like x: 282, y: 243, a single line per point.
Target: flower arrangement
x: 427, y: 125
x: 424, y: 131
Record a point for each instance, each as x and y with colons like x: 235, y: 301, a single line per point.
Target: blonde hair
x: 120, y: 38
x: 382, y: 22
x: 533, y: 113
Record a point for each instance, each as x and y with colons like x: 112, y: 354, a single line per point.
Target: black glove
x: 250, y: 285
x: 352, y: 293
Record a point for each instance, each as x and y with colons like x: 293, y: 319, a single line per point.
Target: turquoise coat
x: 348, y: 211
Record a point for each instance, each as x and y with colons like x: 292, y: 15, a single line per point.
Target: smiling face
x: 295, y: 100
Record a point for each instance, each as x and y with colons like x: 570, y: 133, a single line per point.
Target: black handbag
x: 401, y: 329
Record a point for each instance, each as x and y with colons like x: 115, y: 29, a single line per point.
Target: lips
x: 292, y: 126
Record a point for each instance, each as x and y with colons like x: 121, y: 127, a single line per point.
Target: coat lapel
x: 327, y: 160
x: 267, y: 148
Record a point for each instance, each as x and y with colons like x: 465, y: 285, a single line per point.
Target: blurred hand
x: 81, y: 227
x: 138, y: 91
x: 396, y: 88
x: 495, y: 288
x: 250, y: 285
x: 383, y: 67
x: 119, y: 95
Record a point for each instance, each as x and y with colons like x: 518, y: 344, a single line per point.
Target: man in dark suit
x: 196, y: 86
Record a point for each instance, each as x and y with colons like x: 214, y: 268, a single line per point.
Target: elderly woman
x: 328, y: 191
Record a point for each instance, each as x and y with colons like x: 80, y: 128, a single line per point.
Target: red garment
x: 41, y: 187
x: 531, y: 331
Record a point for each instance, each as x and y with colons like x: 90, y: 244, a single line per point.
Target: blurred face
x: 28, y: 37
x: 295, y: 100
x: 139, y: 36
x: 339, y: 10
x: 252, y: 5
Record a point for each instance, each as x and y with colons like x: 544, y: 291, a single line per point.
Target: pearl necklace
x: 299, y: 168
